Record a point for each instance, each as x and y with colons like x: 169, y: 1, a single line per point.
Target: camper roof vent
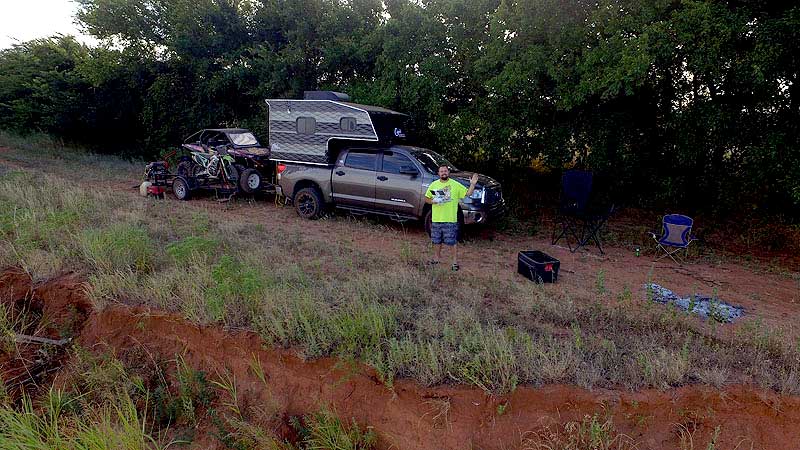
x: 326, y: 95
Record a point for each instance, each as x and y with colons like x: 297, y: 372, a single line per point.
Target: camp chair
x: 577, y: 219
x: 576, y: 187
x: 676, y: 236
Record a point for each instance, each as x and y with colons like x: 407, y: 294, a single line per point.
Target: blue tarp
x: 702, y: 305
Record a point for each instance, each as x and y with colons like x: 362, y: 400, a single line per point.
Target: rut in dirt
x: 405, y: 415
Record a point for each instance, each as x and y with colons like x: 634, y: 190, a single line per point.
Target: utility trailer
x: 224, y: 160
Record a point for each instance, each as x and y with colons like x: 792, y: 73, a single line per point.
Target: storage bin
x: 538, y: 266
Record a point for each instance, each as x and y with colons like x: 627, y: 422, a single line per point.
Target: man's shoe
x: 454, y: 267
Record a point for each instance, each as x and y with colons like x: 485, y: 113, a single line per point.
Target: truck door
x: 353, y: 178
x: 399, y: 185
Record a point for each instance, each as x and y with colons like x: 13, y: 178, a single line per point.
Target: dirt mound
x: 409, y: 416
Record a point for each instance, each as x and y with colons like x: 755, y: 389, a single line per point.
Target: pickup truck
x: 388, y: 180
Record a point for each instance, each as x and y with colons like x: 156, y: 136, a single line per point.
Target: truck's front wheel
x: 308, y: 203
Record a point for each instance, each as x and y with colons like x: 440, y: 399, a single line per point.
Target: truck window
x: 361, y: 160
x: 393, y: 162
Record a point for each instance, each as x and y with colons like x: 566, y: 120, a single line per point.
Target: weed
x: 323, y: 430
x: 227, y: 382
x: 501, y: 408
x: 600, y: 282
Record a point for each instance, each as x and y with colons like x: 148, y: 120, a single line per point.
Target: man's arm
x: 472, y: 182
x: 428, y: 200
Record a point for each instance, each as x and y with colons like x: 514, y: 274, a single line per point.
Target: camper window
x: 357, y: 159
x: 347, y: 124
x: 306, y: 125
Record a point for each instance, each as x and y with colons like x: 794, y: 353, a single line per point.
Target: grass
x: 596, y: 432
x: 324, y: 297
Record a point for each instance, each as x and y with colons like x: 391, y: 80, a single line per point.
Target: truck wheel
x: 181, y: 189
x: 308, y: 203
x: 428, y: 221
x: 249, y: 180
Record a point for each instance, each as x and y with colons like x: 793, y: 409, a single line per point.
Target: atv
x: 248, y: 160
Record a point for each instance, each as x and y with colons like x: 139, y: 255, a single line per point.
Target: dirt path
x: 408, y: 416
x: 772, y: 297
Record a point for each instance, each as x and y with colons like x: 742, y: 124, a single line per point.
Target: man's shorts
x: 444, y: 233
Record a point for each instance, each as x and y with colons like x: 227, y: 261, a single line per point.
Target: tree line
x: 687, y: 102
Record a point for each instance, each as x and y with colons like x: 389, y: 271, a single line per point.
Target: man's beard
x: 444, y: 177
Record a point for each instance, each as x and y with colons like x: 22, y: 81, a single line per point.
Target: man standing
x: 443, y: 195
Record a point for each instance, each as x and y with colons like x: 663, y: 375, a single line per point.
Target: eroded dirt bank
x: 409, y: 416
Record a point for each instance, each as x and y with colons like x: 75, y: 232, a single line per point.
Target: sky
x: 23, y: 20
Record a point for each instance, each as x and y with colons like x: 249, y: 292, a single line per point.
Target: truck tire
x: 181, y: 188
x: 308, y: 203
x: 249, y: 180
x: 428, y: 220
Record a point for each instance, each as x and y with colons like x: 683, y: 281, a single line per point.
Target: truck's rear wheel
x: 308, y: 203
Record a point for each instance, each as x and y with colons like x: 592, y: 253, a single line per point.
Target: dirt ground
x: 408, y: 416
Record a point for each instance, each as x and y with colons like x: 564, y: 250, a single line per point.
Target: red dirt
x: 410, y: 416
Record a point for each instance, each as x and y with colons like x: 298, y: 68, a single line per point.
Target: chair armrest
x: 653, y: 235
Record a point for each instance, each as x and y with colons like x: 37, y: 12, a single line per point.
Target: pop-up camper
x: 311, y: 130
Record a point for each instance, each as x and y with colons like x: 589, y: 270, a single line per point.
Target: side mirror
x: 409, y: 170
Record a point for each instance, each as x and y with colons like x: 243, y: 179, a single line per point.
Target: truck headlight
x: 478, y: 194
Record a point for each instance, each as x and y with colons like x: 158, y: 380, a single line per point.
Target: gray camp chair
x: 676, y: 236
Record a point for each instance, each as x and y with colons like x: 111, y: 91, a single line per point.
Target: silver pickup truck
x: 390, y: 181
x: 334, y: 153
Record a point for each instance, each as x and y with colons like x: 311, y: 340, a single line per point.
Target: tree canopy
x: 693, y: 102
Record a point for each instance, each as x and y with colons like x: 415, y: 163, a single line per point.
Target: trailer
x: 226, y: 161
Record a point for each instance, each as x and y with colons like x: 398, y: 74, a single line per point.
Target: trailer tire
x: 308, y: 203
x: 181, y: 188
x: 249, y: 180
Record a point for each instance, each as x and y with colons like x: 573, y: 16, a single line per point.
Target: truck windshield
x: 432, y: 161
x: 243, y: 138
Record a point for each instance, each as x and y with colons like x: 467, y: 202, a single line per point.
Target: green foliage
x: 692, y: 102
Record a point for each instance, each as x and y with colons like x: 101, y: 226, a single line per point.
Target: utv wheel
x: 249, y: 180
x: 181, y: 189
x: 308, y: 203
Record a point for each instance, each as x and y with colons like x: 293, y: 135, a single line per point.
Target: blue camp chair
x: 676, y: 236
